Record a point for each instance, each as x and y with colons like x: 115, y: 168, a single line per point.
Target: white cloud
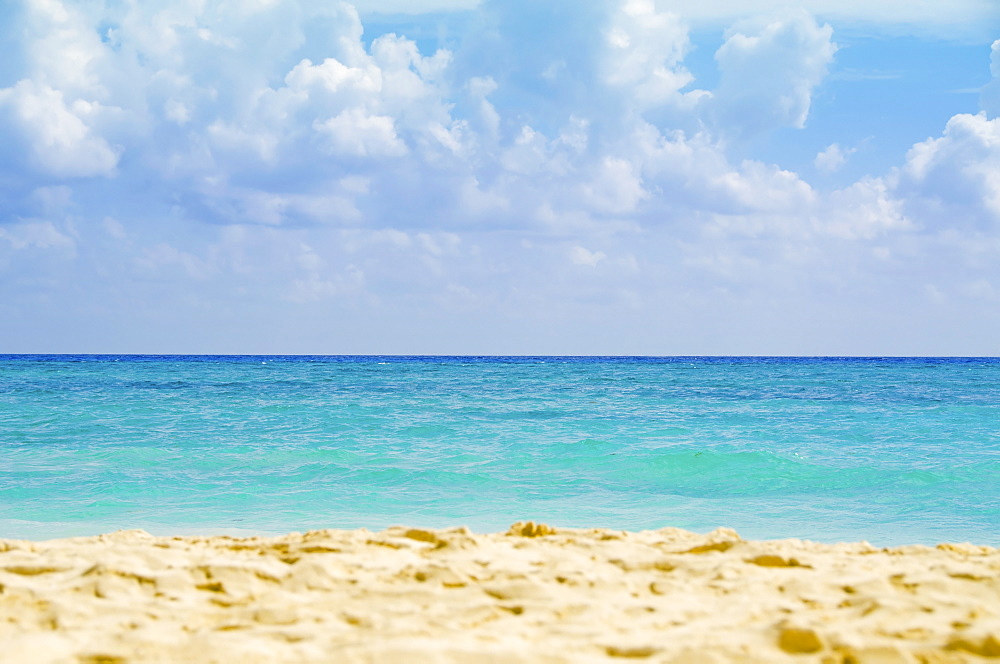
x: 355, y: 133
x: 177, y: 111
x: 833, y: 158
x: 695, y: 174
x: 760, y: 187
x: 769, y: 70
x: 645, y: 49
x: 486, y: 118
x: 37, y: 234
x: 581, y: 256
x: 990, y: 99
x: 866, y: 209
x: 66, y: 52
x: 242, y: 143
x: 615, y: 188
x: 955, y: 179
x: 528, y: 154
x: 58, y: 138
x: 353, y: 84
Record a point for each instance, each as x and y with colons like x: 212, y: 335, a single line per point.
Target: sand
x: 533, y: 594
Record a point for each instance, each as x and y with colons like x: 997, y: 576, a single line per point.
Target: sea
x: 893, y: 451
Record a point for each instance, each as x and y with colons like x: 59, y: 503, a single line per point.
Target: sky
x: 627, y: 177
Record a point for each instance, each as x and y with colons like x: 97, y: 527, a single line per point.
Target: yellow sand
x: 534, y: 594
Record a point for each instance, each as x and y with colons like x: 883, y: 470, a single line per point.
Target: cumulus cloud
x: 867, y: 209
x: 955, y: 179
x: 833, y: 158
x: 769, y: 71
x: 360, y: 135
x: 645, y: 52
x: 57, y: 136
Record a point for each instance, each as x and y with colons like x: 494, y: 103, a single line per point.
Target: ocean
x: 888, y: 450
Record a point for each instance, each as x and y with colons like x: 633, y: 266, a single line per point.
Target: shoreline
x: 894, y: 537
x: 531, y: 594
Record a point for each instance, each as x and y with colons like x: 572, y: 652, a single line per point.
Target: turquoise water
x: 889, y: 450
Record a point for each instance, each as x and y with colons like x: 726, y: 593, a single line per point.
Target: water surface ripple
x: 889, y: 450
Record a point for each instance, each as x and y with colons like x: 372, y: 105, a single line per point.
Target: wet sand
x: 533, y: 594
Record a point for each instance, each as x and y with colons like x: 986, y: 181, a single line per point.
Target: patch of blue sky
x: 883, y: 94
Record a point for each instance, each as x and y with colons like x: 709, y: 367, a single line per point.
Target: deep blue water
x: 889, y: 450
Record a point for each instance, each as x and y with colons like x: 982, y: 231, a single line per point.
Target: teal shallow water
x: 889, y: 450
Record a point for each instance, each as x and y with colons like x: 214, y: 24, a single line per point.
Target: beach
x: 532, y: 594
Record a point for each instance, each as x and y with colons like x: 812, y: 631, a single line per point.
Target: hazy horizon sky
x: 629, y: 177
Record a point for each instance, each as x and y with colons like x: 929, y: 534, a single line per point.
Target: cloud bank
x: 265, y: 177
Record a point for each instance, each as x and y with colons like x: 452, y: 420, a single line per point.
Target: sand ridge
x: 533, y: 594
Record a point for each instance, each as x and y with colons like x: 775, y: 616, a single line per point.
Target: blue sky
x: 510, y: 177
